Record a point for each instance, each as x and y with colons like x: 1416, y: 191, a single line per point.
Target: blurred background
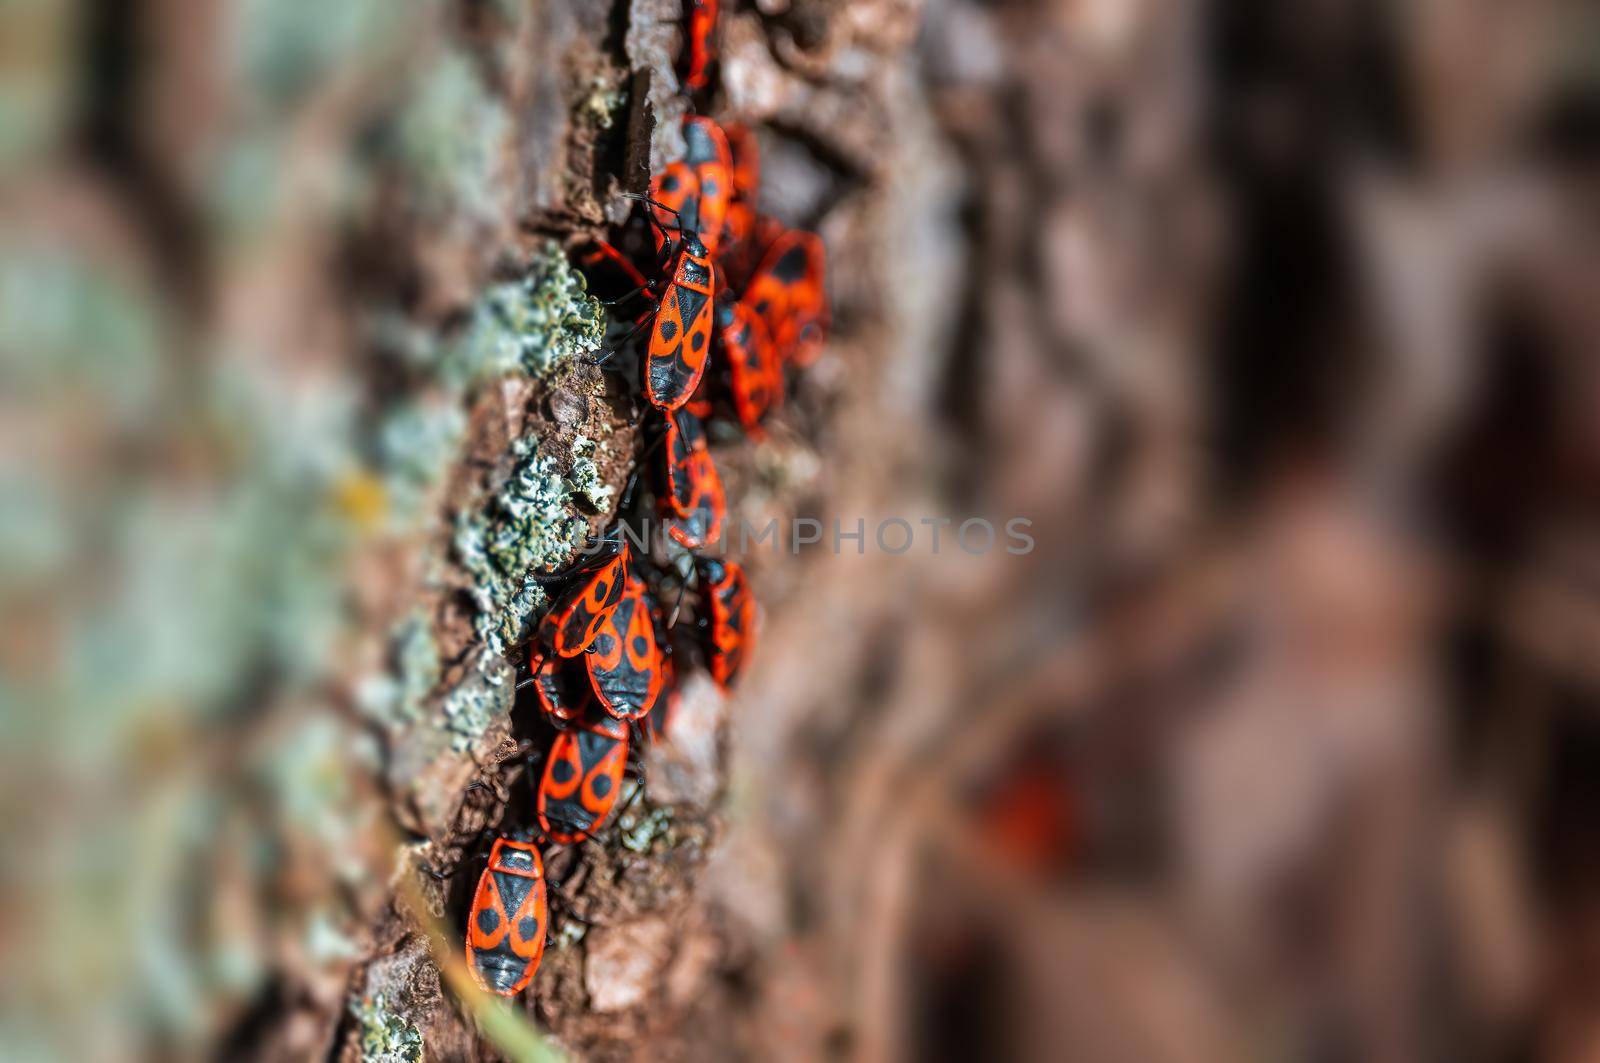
x: 1278, y: 319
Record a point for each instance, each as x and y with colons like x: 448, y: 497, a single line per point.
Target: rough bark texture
x: 638, y: 944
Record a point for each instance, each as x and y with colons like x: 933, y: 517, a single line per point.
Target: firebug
x: 707, y: 155
x: 506, y: 927
x: 625, y: 661
x: 582, y: 777
x: 694, y: 493
x: 570, y: 627
x: 730, y: 620
x: 701, y: 48
x: 787, y: 292
x: 755, y: 374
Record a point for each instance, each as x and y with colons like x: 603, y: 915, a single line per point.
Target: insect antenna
x: 656, y: 204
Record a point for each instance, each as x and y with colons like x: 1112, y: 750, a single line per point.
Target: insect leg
x: 610, y: 253
x: 625, y: 296
x: 651, y: 214
x: 639, y: 325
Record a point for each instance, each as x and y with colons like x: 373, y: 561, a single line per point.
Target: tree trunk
x: 1191, y: 655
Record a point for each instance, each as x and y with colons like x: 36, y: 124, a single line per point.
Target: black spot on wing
x: 577, y: 626
x: 793, y: 265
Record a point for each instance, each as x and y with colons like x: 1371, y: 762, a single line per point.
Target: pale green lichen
x: 284, y: 48
x: 326, y: 942
x: 600, y: 106
x: 535, y: 325
x: 449, y: 136
x: 71, y: 324
x: 304, y: 773
x: 415, y: 442
x: 216, y: 607
x: 385, y: 1036
x: 399, y: 695
x: 36, y: 80
x: 209, y: 494
x: 284, y: 53
x: 584, y: 479
x: 483, y: 696
x: 526, y: 527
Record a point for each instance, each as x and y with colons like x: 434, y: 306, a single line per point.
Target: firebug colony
x: 725, y: 278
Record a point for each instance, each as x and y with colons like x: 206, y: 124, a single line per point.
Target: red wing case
x: 701, y: 47
x: 677, y: 191
x: 662, y: 716
x: 562, y: 686
x: 746, y: 161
